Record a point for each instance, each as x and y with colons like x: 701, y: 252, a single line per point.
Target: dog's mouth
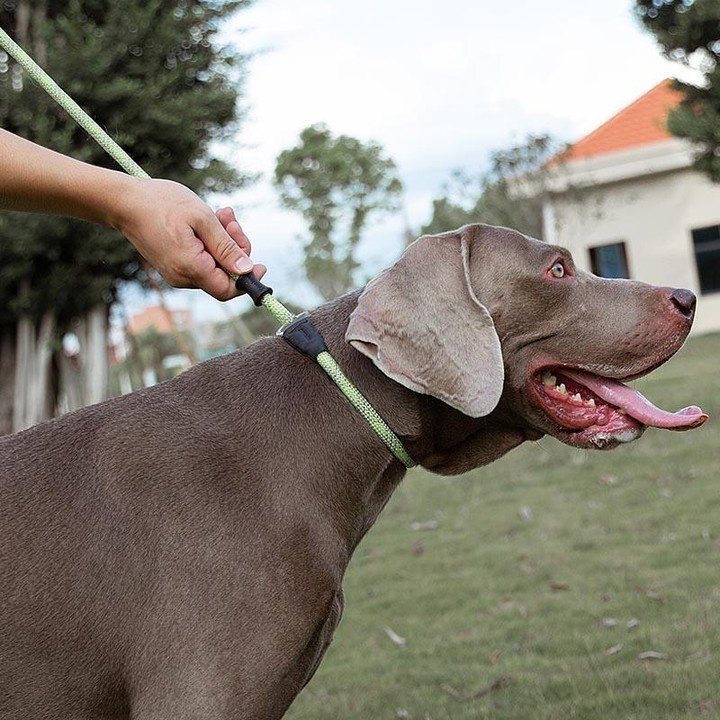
x: 591, y: 410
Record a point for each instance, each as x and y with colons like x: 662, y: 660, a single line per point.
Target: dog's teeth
x: 591, y: 402
x: 621, y: 411
x: 548, y: 378
x: 577, y: 398
x: 561, y: 388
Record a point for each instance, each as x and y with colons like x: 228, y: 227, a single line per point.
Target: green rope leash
x: 71, y: 107
x: 274, y: 306
x: 360, y: 403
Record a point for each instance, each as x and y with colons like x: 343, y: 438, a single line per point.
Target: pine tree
x: 151, y: 73
x: 688, y: 31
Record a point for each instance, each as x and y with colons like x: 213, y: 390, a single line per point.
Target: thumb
x: 224, y: 246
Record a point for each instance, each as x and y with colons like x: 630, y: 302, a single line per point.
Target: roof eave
x: 652, y: 159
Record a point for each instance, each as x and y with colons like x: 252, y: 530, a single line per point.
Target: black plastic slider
x: 304, y: 336
x: 253, y: 287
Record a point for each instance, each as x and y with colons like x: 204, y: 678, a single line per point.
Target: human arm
x: 170, y: 225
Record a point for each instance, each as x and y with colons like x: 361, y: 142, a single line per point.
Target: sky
x: 438, y: 84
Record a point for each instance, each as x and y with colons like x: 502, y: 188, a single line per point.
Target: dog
x: 179, y: 552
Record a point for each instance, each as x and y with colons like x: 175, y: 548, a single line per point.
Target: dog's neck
x: 437, y: 436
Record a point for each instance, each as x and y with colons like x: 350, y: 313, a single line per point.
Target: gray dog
x: 179, y: 552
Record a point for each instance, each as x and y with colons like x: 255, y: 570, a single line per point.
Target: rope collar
x: 298, y: 331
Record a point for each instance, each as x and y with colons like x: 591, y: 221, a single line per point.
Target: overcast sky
x: 438, y: 84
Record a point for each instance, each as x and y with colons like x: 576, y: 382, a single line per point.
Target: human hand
x: 179, y: 235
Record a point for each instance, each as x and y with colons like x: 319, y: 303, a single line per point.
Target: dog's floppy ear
x: 422, y: 325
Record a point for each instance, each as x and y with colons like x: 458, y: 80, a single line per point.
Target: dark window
x: 707, y: 257
x: 609, y: 261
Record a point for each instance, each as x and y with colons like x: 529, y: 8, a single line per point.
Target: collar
x: 305, y: 337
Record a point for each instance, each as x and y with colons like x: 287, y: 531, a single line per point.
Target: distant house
x: 627, y: 203
x: 159, y: 318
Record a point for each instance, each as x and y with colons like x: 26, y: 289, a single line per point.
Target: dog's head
x: 488, y: 320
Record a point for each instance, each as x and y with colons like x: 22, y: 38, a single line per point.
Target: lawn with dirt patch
x: 554, y: 583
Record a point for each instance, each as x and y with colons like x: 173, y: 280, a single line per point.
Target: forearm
x: 35, y: 179
x: 174, y: 230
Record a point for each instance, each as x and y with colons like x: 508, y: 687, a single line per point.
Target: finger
x: 222, y: 246
x: 222, y: 287
x: 259, y: 271
x: 227, y: 218
x: 238, y: 235
x: 219, y: 284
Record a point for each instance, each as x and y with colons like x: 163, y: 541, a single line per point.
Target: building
x: 627, y: 203
x: 159, y: 318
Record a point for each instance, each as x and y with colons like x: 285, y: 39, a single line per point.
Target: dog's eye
x: 557, y: 270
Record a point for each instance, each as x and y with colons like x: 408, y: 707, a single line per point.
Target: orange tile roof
x: 640, y: 123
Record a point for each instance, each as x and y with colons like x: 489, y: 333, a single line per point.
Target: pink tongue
x: 637, y: 405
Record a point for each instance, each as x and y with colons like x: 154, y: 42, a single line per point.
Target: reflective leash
x: 298, y: 331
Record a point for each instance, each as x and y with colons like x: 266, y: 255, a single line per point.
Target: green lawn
x: 547, y: 577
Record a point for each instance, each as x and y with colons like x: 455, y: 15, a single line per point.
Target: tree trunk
x: 41, y: 401
x: 95, y: 356
x: 7, y: 381
x: 70, y: 382
x: 23, y: 373
x: 34, y: 393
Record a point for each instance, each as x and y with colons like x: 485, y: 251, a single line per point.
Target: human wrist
x: 112, y: 198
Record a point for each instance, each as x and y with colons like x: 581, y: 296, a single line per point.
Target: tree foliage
x: 336, y: 183
x: 492, y: 197
x: 149, y: 73
x: 688, y: 31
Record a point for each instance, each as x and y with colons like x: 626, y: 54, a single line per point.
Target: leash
x: 298, y: 331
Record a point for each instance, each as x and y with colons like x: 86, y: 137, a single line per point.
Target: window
x: 609, y: 261
x: 707, y: 257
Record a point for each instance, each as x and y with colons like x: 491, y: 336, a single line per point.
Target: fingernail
x: 244, y: 264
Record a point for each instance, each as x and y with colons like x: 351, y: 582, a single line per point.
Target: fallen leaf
x: 632, y: 623
x: 559, y: 585
x: 451, y: 691
x: 418, y: 548
x: 609, y: 622
x: 525, y: 513
x: 424, y: 525
x: 614, y: 650
x: 652, y: 655
x: 394, y: 637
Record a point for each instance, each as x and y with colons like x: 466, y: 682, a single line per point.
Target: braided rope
x: 274, y: 306
x: 277, y: 310
x: 71, y: 107
x: 362, y: 405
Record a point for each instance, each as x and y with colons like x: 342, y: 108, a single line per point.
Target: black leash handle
x: 253, y: 287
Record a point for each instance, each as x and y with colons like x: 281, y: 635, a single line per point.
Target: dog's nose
x: 684, y: 301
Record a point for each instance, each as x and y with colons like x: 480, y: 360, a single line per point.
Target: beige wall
x: 654, y: 215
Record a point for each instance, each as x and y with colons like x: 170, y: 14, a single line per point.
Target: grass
x: 549, y: 573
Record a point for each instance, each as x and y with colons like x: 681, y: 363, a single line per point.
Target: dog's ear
x: 422, y: 325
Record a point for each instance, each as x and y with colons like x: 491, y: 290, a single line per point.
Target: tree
x: 336, y: 183
x: 492, y: 197
x: 688, y: 31
x: 149, y: 72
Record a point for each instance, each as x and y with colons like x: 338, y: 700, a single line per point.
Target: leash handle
x: 255, y: 290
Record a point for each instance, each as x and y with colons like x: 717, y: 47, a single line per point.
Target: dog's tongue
x: 637, y: 405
